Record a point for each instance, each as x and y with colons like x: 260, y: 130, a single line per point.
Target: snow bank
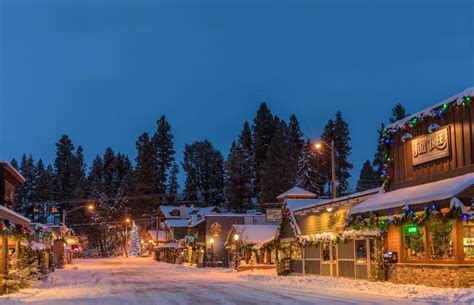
x: 415, y: 292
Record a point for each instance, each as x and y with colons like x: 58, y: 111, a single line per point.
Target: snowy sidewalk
x: 142, y: 281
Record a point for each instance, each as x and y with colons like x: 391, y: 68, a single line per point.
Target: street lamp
x: 127, y: 221
x: 212, y: 251
x: 236, y: 256
x: 319, y: 146
x: 89, y: 207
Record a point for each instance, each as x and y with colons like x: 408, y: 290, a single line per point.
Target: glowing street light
x: 319, y: 146
x: 236, y: 237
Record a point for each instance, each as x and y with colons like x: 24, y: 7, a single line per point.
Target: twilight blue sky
x: 104, y: 71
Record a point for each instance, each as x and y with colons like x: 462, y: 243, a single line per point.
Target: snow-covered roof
x: 295, y: 204
x: 13, y: 216
x: 296, y: 192
x: 14, y: 171
x: 188, y: 211
x: 161, y: 235
x: 177, y: 223
x: 168, y: 245
x: 349, y: 199
x: 196, y: 219
x: 253, y: 234
x: 458, y: 98
x: 439, y: 190
x: 37, y: 246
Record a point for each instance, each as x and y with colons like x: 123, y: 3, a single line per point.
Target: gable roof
x: 297, y: 192
x: 348, y: 199
x: 253, y: 234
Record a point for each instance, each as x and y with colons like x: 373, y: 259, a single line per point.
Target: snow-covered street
x: 142, y: 281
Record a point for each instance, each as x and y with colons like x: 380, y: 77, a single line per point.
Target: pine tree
x: 163, y: 143
x: 64, y: 184
x: 263, y: 129
x: 173, y: 186
x: 25, y: 194
x: 338, y: 131
x: 203, y: 165
x: 277, y: 169
x: 367, y: 178
x: 239, y: 172
x: 398, y: 112
x: 96, y: 176
x: 296, y: 143
x: 144, y: 176
x: 109, y: 172
x: 378, y: 157
x: 309, y: 176
x: 43, y: 191
x: 14, y: 163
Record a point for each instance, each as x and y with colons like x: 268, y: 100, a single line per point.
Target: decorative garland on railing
x: 336, y: 238
x: 408, y: 216
x: 404, y: 129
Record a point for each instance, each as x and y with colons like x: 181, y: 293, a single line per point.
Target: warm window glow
x: 468, y: 241
x: 413, y: 242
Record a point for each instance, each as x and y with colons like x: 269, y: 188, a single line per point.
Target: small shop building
x: 14, y: 228
x: 249, y: 244
x: 313, y: 238
x: 426, y: 210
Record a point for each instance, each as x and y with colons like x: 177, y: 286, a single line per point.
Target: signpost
x: 430, y: 147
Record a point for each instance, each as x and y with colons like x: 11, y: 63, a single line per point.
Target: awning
x: 424, y: 193
x: 168, y: 245
x: 6, y: 213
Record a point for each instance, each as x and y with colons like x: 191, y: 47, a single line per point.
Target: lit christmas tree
x: 134, y: 241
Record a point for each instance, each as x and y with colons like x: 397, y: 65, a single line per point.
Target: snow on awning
x: 434, y: 191
x: 253, y: 234
x: 168, y: 245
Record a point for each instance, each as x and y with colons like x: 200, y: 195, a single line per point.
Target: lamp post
x: 212, y: 251
x: 318, y: 146
x: 90, y: 207
x: 127, y: 221
x: 236, y: 256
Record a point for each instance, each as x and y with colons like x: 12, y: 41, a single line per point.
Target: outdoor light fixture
x: 211, y: 240
x: 317, y: 145
x: 236, y: 237
x: 329, y: 209
x: 127, y: 220
x: 90, y: 207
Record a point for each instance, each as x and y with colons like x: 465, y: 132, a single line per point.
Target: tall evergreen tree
x: 338, y: 130
x: 309, y: 172
x: 277, y: 169
x: 25, y: 194
x: 14, y: 163
x: 96, y: 176
x: 109, y: 172
x: 44, y: 183
x: 380, y: 151
x: 173, y: 186
x: 367, y: 178
x: 203, y: 165
x: 64, y: 184
x: 296, y: 142
x: 163, y: 143
x: 398, y: 112
x: 263, y: 130
x: 239, y: 172
x: 144, y: 177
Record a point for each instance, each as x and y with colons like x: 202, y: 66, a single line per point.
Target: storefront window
x: 468, y: 241
x: 295, y: 250
x: 327, y: 252
x: 361, y: 251
x: 441, y: 241
x: 413, y: 242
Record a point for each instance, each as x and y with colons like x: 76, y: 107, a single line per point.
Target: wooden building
x: 15, y: 227
x: 426, y: 211
x: 314, y: 241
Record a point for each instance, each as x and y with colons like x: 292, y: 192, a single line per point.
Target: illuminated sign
x: 412, y: 229
x: 430, y: 147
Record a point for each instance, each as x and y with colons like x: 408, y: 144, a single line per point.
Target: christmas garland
x: 336, y: 238
x: 408, y: 216
x: 403, y: 129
